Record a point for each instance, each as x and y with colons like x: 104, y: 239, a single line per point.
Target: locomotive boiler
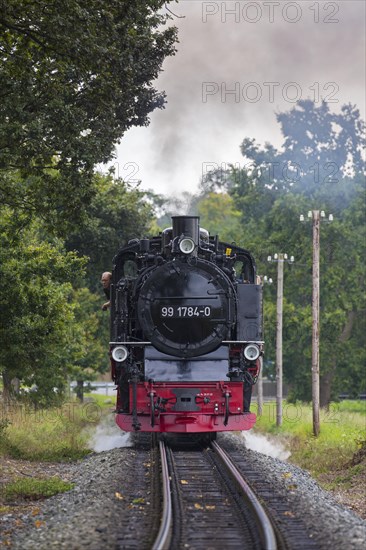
x: 186, y: 332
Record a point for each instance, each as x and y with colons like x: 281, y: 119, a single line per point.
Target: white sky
x: 310, y: 49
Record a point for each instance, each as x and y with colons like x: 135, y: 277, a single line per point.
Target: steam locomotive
x: 186, y: 332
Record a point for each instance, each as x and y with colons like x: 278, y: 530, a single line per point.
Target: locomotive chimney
x: 189, y: 226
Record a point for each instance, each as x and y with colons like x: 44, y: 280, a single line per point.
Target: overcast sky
x: 267, y: 53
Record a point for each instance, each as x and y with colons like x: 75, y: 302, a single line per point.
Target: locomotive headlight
x: 119, y: 353
x: 251, y: 352
x: 186, y: 245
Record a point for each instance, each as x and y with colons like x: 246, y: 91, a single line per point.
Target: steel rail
x: 266, y: 530
x: 163, y: 539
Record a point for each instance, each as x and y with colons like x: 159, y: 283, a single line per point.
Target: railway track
x: 208, y: 504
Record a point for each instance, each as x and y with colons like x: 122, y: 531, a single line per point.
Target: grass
x: 61, y: 434
x: 103, y: 401
x: 5, y: 509
x: 34, y: 489
x: 342, y: 431
x: 56, y: 434
x: 47, y: 434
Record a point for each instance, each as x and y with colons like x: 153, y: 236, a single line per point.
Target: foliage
x: 116, y: 214
x: 74, y: 78
x: 270, y: 192
x: 4, y: 423
x: 52, y: 325
x: 91, y: 332
x: 37, y: 315
x: 319, y: 149
x: 218, y: 214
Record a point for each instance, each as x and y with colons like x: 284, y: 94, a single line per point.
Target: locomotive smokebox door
x: 186, y: 310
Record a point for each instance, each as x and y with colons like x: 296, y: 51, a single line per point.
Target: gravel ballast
x: 111, y: 505
x: 105, y: 509
x: 329, y: 524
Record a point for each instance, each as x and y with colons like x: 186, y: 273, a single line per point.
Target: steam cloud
x: 262, y: 444
x: 170, y: 153
x: 108, y: 436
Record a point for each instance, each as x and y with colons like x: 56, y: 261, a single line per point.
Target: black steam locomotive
x: 186, y: 332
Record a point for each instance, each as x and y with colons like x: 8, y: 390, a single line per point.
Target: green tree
x: 37, y: 313
x: 344, y: 303
x: 74, y: 77
x: 320, y: 148
x: 52, y: 326
x: 91, y: 332
x: 342, y: 293
x: 116, y: 214
x: 270, y: 192
x: 219, y: 216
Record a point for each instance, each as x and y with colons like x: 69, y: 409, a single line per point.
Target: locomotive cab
x: 186, y: 332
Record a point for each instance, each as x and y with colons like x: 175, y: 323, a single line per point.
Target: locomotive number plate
x: 179, y: 312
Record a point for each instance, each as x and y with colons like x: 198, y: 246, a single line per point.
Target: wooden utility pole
x: 260, y: 389
x: 279, y: 340
x: 280, y: 259
x: 316, y: 216
x: 315, y: 330
x: 264, y: 280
